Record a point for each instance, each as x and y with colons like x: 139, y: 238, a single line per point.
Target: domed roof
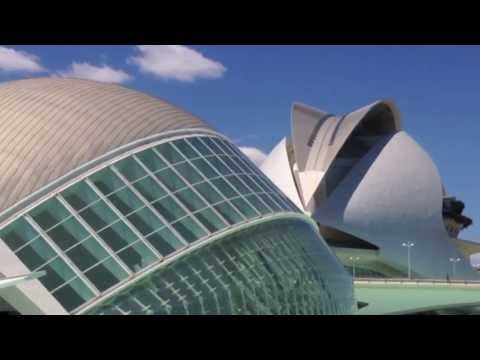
x: 51, y: 126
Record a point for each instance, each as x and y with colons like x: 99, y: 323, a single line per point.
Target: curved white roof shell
x: 318, y: 137
x: 51, y: 126
x: 277, y: 163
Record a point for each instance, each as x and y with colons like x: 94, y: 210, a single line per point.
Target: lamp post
x: 408, y: 245
x: 353, y: 259
x: 454, y: 261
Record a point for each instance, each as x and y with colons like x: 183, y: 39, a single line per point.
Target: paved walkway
x: 401, y: 296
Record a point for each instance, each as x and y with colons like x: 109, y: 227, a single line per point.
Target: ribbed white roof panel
x: 50, y: 126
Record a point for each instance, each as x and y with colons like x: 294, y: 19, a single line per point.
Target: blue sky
x: 246, y: 91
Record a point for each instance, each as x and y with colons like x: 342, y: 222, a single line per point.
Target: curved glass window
x: 277, y: 267
x: 104, y: 229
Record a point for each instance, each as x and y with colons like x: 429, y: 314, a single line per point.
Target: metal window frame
x: 60, y: 254
x: 97, y: 237
x: 124, y: 220
x: 149, y: 206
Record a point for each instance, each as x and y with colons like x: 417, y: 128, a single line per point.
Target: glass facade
x: 275, y: 267
x: 108, y: 227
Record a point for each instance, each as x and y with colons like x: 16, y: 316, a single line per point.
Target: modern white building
x: 376, y: 194
x: 116, y: 202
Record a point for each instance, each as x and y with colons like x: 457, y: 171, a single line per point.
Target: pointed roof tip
x: 297, y: 105
x: 388, y: 101
x: 392, y: 105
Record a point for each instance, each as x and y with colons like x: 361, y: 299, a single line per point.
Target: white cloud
x: 245, y: 138
x: 256, y: 155
x: 176, y: 62
x: 14, y: 60
x: 102, y: 73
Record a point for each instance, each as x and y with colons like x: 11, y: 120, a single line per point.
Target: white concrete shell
x: 318, y: 138
x: 362, y: 175
x: 276, y: 163
x: 394, y: 195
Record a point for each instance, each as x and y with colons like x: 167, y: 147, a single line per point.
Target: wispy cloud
x: 176, y: 62
x: 104, y: 73
x: 256, y: 155
x: 14, y: 60
x: 245, y: 138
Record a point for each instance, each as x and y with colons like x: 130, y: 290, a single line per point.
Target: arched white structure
x: 370, y: 187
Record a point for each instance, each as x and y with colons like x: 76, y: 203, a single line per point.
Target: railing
x: 407, y: 281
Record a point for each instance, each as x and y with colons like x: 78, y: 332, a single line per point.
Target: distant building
x: 371, y: 188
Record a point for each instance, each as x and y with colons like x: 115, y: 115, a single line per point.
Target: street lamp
x: 353, y: 259
x: 454, y: 261
x: 408, y: 245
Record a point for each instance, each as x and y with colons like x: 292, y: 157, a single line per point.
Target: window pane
x: 189, y: 173
x: 270, y: 202
x: 269, y: 184
x: 165, y: 241
x: 145, y: 221
x: 49, y: 214
x: 149, y: 189
x: 130, y: 169
x: 218, y: 165
x: 18, y: 233
x: 208, y: 192
x: 68, y: 233
x: 57, y: 273
x: 80, y: 195
x: 170, y: 179
x: 205, y: 168
x: 106, y: 274
x: 169, y: 153
x: 185, y: 149
x: 137, y: 256
x: 191, y: 200
x: 98, y: 215
x: 125, y: 201
x: 118, y: 236
x: 36, y: 253
x: 73, y: 294
x: 107, y: 181
x: 212, y: 146
x: 223, y: 144
x: 210, y: 220
x: 251, y: 167
x: 260, y: 183
x: 241, y: 164
x: 189, y: 230
x: 245, y: 208
x: 225, y: 188
x: 169, y: 209
x: 237, y: 184
x: 255, y: 201
x: 233, y: 149
x: 201, y: 148
x: 246, y: 179
x: 286, y: 203
x: 232, y: 165
x: 151, y: 160
x: 87, y: 254
x: 229, y: 213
